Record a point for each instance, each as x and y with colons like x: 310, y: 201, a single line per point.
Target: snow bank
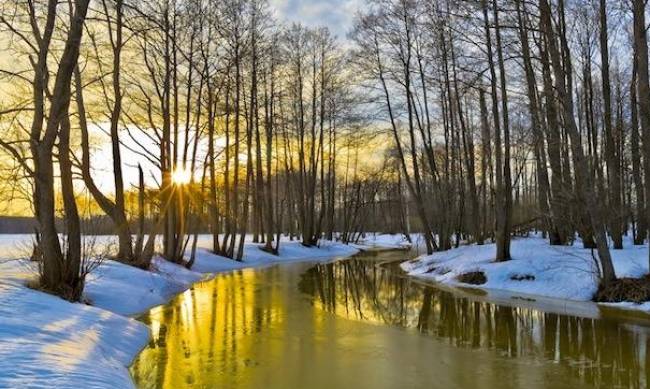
x: 565, y: 272
x: 48, y: 342
x: 128, y: 290
x: 384, y: 241
x: 290, y: 251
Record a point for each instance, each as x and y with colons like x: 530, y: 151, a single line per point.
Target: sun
x: 181, y: 176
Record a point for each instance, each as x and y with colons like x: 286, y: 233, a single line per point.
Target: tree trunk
x: 613, y: 170
x: 637, y: 173
x: 584, y: 184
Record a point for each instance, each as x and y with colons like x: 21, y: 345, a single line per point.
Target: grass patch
x: 473, y: 278
x: 636, y: 290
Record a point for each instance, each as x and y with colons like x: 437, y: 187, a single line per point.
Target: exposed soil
x: 522, y: 277
x: 473, y: 278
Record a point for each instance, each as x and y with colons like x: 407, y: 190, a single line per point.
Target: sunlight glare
x: 181, y: 176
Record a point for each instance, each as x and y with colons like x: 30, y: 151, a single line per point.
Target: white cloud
x: 337, y: 15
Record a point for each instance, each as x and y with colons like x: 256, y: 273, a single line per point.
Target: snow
x: 48, y: 342
x: 128, y: 290
x: 562, y: 272
x: 290, y: 251
x: 384, y: 241
x: 14, y: 246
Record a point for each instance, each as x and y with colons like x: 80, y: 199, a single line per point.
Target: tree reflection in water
x: 254, y: 329
x: 606, y: 352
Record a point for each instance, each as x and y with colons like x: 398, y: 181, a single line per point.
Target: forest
x: 466, y: 122
x: 475, y: 172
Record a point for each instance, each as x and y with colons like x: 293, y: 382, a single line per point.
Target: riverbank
x: 48, y: 342
x: 536, y: 268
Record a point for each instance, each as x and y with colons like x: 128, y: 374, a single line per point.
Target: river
x: 361, y: 323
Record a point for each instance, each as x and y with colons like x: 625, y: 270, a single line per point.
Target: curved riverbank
x: 535, y: 270
x: 46, y: 341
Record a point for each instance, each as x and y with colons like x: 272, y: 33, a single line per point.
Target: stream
x: 362, y: 323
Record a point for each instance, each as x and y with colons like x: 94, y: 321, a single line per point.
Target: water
x: 360, y: 323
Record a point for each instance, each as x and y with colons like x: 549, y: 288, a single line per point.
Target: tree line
x: 512, y: 115
x: 466, y: 122
x: 238, y: 122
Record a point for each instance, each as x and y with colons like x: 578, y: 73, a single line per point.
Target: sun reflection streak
x: 212, y: 321
x: 251, y: 329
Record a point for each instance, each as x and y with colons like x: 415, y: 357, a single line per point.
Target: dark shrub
x: 636, y: 290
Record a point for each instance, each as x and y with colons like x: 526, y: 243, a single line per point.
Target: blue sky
x: 335, y: 14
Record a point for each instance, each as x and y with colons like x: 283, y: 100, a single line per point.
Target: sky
x: 337, y: 15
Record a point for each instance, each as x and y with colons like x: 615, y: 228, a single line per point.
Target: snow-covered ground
x: 48, y: 342
x: 536, y: 268
x: 390, y: 241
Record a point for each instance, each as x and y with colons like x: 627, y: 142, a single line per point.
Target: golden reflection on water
x: 208, y: 326
x: 354, y: 324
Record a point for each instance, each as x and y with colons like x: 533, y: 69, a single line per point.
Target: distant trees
x: 411, y: 51
x: 563, y: 156
x: 393, y: 66
x: 492, y: 119
x: 311, y: 65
